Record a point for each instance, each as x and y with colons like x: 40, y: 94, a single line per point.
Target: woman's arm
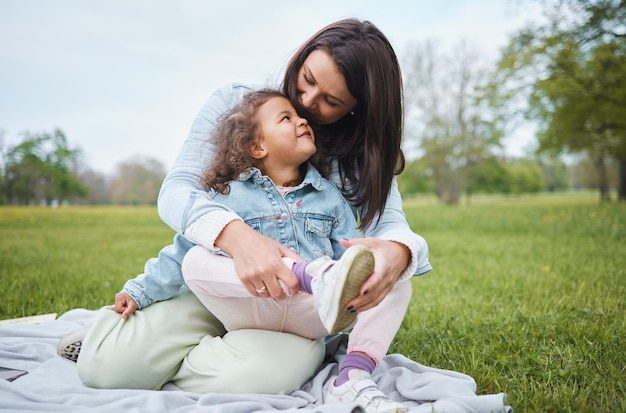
x: 393, y: 226
x: 182, y: 199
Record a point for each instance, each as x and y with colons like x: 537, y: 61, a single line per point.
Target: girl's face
x: 287, y: 139
x: 322, y: 89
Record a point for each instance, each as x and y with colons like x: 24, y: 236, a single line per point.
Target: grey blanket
x: 52, y: 384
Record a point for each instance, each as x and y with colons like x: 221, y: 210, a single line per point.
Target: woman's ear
x: 257, y: 150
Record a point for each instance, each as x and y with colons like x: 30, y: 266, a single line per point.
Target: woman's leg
x: 146, y: 350
x: 250, y: 361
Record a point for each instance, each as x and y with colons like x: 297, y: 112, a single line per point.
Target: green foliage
x: 414, y: 179
x: 555, y: 174
x: 493, y: 175
x: 490, y: 176
x: 574, y: 70
x: 39, y: 170
x: 526, y: 177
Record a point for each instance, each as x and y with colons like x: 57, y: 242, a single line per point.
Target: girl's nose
x: 302, y: 122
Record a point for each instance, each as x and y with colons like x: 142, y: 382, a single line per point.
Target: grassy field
x: 527, y: 295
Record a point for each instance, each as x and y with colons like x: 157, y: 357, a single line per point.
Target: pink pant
x: 213, y: 279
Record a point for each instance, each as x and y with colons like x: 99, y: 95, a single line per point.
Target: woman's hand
x: 391, y: 259
x: 258, y: 260
x: 125, y: 304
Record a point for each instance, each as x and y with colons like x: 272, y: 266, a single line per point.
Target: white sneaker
x: 362, y: 390
x: 70, y: 344
x: 337, y: 282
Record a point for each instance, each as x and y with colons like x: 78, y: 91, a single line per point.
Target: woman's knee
x: 146, y: 350
x: 251, y: 361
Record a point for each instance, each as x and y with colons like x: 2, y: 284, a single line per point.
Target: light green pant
x: 178, y: 340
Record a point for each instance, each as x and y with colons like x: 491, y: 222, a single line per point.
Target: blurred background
x: 501, y: 96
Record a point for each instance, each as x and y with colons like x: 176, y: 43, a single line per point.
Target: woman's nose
x: 308, y: 100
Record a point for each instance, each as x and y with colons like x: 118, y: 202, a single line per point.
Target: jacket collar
x: 312, y: 177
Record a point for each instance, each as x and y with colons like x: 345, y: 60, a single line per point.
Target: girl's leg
x: 214, y: 280
x: 375, y: 329
x: 368, y: 343
x: 146, y: 350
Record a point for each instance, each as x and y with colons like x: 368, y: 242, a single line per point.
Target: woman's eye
x: 306, y: 79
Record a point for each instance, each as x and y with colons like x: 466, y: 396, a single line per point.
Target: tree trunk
x: 603, y: 178
x: 622, y: 180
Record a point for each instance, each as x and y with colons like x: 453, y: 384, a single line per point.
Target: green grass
x: 53, y: 260
x: 527, y: 295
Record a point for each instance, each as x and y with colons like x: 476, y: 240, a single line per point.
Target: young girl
x: 260, y: 172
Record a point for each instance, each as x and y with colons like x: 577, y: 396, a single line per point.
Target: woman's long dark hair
x: 367, y: 144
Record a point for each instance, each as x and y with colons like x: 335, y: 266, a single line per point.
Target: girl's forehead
x: 277, y: 103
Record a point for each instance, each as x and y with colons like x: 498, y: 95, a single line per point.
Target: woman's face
x: 322, y: 89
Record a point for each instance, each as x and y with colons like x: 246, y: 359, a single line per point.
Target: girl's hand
x: 125, y: 304
x: 391, y: 259
x: 258, y: 260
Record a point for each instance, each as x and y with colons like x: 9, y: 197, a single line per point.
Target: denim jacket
x: 183, y: 200
x: 310, y: 219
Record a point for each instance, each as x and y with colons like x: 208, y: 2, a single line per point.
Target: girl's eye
x: 285, y: 118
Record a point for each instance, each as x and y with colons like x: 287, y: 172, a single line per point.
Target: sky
x: 125, y: 78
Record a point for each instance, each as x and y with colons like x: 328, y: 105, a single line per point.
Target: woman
x: 346, y: 80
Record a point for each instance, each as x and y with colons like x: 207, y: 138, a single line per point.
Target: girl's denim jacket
x: 183, y: 200
x: 310, y: 219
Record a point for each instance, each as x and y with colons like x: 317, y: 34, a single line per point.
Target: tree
x: 39, y: 170
x: 584, y: 174
x: 555, y: 173
x: 446, y: 112
x: 98, y: 185
x: 414, y: 179
x: 491, y: 176
x: 526, y: 177
x: 575, y: 69
x: 137, y: 182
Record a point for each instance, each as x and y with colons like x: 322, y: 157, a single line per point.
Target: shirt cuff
x: 411, y: 269
x: 205, y: 230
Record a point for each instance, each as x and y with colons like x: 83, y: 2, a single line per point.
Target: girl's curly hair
x: 236, y: 130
